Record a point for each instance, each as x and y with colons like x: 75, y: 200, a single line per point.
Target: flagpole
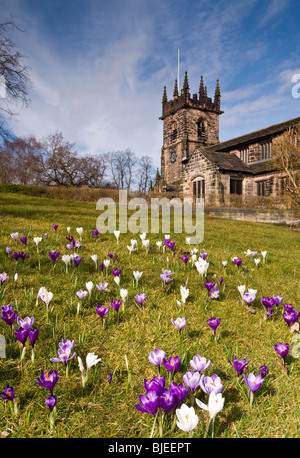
x: 178, y: 69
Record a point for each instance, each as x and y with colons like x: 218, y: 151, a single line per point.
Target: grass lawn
x: 102, y: 409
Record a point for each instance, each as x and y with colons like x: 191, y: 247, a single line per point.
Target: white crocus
x: 264, y: 254
x: 131, y: 248
x: 143, y: 236
x: 106, y: 263
x: 15, y: 277
x: 184, y: 293
x: 68, y: 229
x: 257, y: 261
x: 202, y: 266
x: 137, y: 275
x: 215, y: 405
x: 66, y: 259
x: 159, y: 244
x: 117, y: 280
x: 89, y: 286
x: 187, y: 418
x: 241, y: 289
x: 248, y: 252
x: 41, y: 291
x: 37, y: 240
x: 117, y: 235
x: 188, y: 240
x: 91, y: 360
x: 79, y: 231
x: 146, y: 244
x: 46, y: 297
x: 94, y: 258
x: 123, y: 294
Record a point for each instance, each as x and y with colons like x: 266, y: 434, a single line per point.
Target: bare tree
x: 121, y: 165
x: 287, y: 160
x: 146, y: 173
x: 15, y: 81
x: 19, y: 159
x: 93, y: 171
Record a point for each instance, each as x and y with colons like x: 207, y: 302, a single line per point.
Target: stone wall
x: 274, y: 216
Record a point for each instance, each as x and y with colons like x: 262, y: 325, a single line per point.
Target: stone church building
x: 195, y: 163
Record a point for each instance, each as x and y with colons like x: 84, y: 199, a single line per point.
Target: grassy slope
x: 107, y: 410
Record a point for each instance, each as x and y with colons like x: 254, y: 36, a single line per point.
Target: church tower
x: 188, y: 122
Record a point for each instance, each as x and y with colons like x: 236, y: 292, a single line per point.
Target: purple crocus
x: 8, y: 394
x: 214, y: 293
x: 95, y: 233
x: 8, y: 315
x: 21, y: 335
x: 48, y: 380
x: 199, y: 363
x: 170, y: 245
x: 64, y: 352
x: 140, y: 298
x: 54, y: 255
x: 55, y: 226
x: 209, y: 384
x: 102, y: 286
x: 179, y: 323
x: 77, y: 260
x: 172, y: 365
x: 51, y: 402
x: 184, y: 259
x: 288, y: 307
x: 239, y: 366
x: 291, y: 317
x: 116, y: 272
x: 23, y: 239
x: 109, y: 377
x: 33, y: 335
x: 81, y: 294
x: 156, y: 384
x: 268, y: 303
x: 115, y: 305
x: 277, y: 299
x: 282, y: 349
x: 209, y: 285
x: 238, y: 262
x: 8, y: 250
x: 180, y: 392
x: 203, y: 255
x: 3, y: 277
x: 102, y: 311
x: 264, y: 370
x: 149, y: 403
x: 192, y: 379
x: 167, y: 400
x: 156, y: 357
x: 214, y: 324
x: 166, y: 276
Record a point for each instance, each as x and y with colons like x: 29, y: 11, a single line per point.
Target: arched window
x: 199, y: 188
x: 173, y: 132
x: 201, y: 129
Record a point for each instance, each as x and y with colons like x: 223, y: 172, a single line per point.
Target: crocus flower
x: 291, y: 317
x: 268, y: 302
x: 282, y: 350
x: 23, y: 239
x: 79, y: 231
x: 109, y: 377
x: 184, y: 292
x: 149, y: 403
x: 3, y: 277
x: 214, y: 323
x: 241, y: 289
x: 94, y: 258
x: 199, y: 363
x: 21, y: 335
x: 9, y: 395
x: 51, y: 402
x: 91, y: 360
x: 180, y: 391
x: 116, y: 272
x: 117, y: 235
x: 172, y: 365
x: 140, y: 298
x: 277, y: 299
x: 66, y: 259
x: 156, y: 384
x: 215, y: 405
x: 179, y: 323
x: 166, y: 276
x: 239, y: 366
x: 8, y: 250
x: 214, y: 293
x: 202, y: 266
x: 14, y: 236
x: 187, y: 418
x: 53, y: 256
x: 264, y: 254
x: 95, y: 233
x: 254, y: 383
x: 33, y: 335
x: 224, y: 264
x: 48, y: 380
x: 191, y: 379
x: 263, y: 370
x: 184, y: 259
x: 8, y: 315
x: 77, y: 259
x: 209, y: 384
x: 64, y: 352
x: 288, y: 307
x: 137, y: 275
x: 37, y: 240
x: 89, y: 286
x: 115, y: 305
x: 102, y: 286
x: 82, y: 294
x: 25, y: 324
x: 55, y: 226
x: 167, y: 400
x: 102, y: 311
x: 238, y: 262
x: 156, y: 357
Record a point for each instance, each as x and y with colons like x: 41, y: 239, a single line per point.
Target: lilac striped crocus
x: 291, y: 317
x: 209, y: 384
x: 172, y: 365
x: 3, y: 277
x: 254, y: 383
x: 192, y: 380
x: 156, y: 384
x: 156, y: 357
x: 282, y: 349
x: 64, y: 353
x: 102, y: 311
x: 26, y: 324
x: 140, y: 298
x: 115, y: 305
x: 199, y: 363
x: 179, y: 323
x: 149, y: 402
x: 214, y: 323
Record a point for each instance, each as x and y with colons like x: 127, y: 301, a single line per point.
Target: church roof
x: 257, y: 135
x: 226, y: 162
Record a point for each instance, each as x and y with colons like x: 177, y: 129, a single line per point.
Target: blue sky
x: 98, y: 68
